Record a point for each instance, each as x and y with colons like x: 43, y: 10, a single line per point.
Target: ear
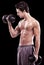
x: 24, y: 10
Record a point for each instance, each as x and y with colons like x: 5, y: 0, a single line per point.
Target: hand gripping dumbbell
x: 11, y: 18
x: 32, y: 59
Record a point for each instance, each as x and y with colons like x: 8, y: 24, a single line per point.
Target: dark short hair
x: 22, y: 6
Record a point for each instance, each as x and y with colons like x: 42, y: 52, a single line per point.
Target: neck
x: 26, y: 16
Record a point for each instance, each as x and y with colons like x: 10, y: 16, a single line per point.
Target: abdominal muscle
x: 26, y: 38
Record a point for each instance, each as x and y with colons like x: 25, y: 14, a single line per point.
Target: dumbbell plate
x: 4, y: 19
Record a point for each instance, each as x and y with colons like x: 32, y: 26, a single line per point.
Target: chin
x: 21, y: 17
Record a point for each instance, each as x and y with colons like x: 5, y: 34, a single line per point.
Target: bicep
x: 17, y: 29
x: 14, y: 32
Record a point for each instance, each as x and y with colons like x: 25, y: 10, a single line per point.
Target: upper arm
x: 37, y: 31
x: 14, y: 32
x: 17, y: 29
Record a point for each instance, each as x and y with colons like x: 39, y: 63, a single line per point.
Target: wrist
x: 36, y: 56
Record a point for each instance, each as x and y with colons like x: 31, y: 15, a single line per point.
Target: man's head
x: 21, y: 7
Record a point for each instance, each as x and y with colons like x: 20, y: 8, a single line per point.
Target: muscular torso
x: 27, y: 35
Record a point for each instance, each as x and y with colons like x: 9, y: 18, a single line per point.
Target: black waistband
x: 25, y: 45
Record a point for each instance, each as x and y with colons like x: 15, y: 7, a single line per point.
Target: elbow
x: 12, y: 36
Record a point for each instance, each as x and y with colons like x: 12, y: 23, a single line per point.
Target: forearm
x: 12, y: 31
x: 37, y: 46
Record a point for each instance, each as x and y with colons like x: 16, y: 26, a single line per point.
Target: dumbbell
x: 39, y: 61
x: 11, y: 18
x: 32, y: 59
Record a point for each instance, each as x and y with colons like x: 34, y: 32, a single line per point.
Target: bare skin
x: 27, y: 28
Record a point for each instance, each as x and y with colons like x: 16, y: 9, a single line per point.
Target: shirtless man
x: 28, y: 28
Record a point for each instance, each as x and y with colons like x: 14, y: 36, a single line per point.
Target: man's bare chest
x: 25, y: 25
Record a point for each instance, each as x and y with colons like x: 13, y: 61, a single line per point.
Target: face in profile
x: 19, y: 13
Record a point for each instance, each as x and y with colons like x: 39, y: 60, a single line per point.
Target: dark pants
x: 23, y: 55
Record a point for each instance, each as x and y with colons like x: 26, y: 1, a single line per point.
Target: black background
x: 8, y: 46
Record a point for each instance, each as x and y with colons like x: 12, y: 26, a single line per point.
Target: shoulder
x: 20, y: 22
x: 36, y: 23
x: 36, y: 26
